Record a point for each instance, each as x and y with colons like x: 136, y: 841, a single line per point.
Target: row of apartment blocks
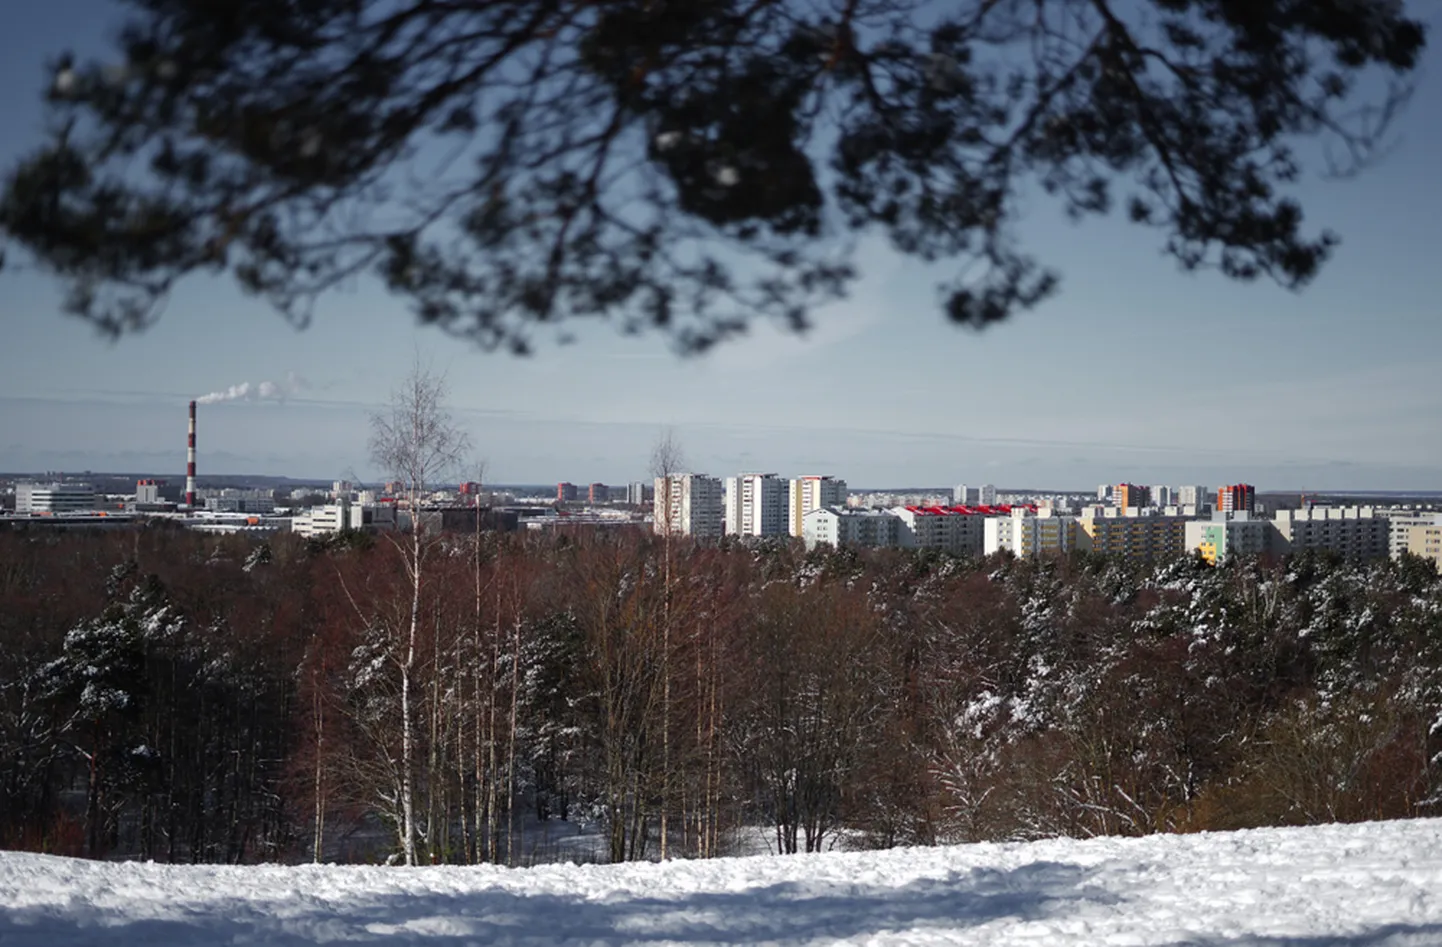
x: 752, y: 504
x: 1233, y: 498
x: 814, y: 508
x: 1135, y: 534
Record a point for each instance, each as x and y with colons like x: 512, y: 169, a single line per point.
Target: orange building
x: 1237, y: 498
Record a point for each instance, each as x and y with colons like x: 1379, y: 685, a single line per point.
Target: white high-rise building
x: 756, y: 505
x: 809, y: 493
x: 984, y: 495
x: 689, y: 505
x: 1199, y: 497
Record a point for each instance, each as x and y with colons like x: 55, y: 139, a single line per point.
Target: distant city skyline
x: 1135, y: 371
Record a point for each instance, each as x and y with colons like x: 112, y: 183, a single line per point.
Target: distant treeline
x: 181, y: 697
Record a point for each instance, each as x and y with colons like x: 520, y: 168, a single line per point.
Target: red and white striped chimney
x: 190, y: 462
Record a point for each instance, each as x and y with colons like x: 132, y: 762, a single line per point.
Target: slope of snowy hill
x: 1355, y: 885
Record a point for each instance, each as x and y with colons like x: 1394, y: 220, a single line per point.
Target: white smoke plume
x: 258, y: 391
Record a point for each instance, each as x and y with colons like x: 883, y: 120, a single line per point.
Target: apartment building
x: 812, y: 492
x: 1353, y: 532
x: 756, y: 505
x: 959, y: 530
x: 1130, y: 496
x: 1425, y: 540
x: 1237, y: 498
x: 1028, y: 534
x: 689, y: 505
x: 839, y: 526
x: 1192, y: 495
x: 1228, y: 535
x: 984, y: 495
x: 1138, y: 535
x: 1400, y: 522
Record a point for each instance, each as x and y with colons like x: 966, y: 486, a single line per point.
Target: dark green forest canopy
x: 684, y: 167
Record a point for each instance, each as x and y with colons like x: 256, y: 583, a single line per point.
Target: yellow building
x: 1132, y: 534
x: 1426, y: 541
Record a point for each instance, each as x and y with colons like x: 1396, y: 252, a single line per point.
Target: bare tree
x: 415, y: 442
x: 667, y: 459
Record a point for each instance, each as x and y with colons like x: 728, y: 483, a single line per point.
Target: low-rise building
x: 335, y: 517
x: 54, y: 497
x: 240, y: 501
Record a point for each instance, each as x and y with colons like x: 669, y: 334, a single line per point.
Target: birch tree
x: 415, y: 441
x: 666, y: 460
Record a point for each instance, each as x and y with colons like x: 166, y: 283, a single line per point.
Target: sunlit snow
x: 1373, y: 884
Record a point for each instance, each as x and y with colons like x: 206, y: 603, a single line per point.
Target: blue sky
x: 1135, y: 371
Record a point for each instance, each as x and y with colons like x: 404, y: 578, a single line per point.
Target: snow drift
x: 1356, y: 885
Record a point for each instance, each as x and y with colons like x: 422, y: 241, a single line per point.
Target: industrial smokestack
x: 190, y: 462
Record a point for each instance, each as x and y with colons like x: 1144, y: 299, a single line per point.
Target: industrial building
x: 239, y: 501
x: 52, y: 498
x: 335, y: 517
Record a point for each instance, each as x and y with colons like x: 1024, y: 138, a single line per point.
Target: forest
x: 180, y: 697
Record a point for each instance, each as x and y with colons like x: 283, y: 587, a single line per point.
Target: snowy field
x: 1375, y: 884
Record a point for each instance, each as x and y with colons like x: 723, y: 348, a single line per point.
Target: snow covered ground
x: 1374, y: 884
